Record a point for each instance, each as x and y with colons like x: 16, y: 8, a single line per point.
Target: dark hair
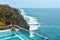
x: 12, y: 22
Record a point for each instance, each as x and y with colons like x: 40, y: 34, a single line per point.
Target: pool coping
x: 4, y: 30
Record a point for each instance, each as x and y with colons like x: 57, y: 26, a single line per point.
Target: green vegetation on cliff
x: 12, y: 15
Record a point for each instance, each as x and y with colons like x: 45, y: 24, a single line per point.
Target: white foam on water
x: 34, y: 27
x: 32, y: 21
x: 22, y: 11
x: 31, y: 34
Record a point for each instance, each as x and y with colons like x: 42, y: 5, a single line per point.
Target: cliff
x: 11, y: 14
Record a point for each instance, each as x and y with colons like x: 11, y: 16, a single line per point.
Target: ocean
x: 43, y: 21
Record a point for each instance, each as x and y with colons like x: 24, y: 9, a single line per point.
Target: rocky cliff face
x: 8, y: 13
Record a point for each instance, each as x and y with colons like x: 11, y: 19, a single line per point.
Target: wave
x: 32, y: 21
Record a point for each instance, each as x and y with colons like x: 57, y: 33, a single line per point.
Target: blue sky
x: 32, y: 3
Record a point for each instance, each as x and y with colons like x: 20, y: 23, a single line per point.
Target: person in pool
x: 11, y: 26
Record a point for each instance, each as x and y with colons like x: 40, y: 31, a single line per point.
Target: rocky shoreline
x: 13, y: 15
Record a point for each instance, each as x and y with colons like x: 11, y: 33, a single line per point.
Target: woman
x: 11, y: 26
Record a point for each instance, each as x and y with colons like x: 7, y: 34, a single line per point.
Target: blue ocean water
x: 48, y: 20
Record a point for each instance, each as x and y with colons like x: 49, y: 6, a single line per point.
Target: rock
x: 10, y: 14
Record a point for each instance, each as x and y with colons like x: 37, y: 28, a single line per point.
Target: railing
x: 42, y: 37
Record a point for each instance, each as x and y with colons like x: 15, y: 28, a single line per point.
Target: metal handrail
x: 43, y: 37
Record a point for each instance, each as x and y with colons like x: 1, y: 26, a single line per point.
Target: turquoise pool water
x: 21, y: 35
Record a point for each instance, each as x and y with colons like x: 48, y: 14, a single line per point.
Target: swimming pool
x: 21, y: 35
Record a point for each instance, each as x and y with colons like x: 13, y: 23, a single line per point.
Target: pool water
x: 21, y: 35
x: 14, y: 38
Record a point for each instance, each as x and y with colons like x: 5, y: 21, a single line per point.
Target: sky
x: 32, y: 3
